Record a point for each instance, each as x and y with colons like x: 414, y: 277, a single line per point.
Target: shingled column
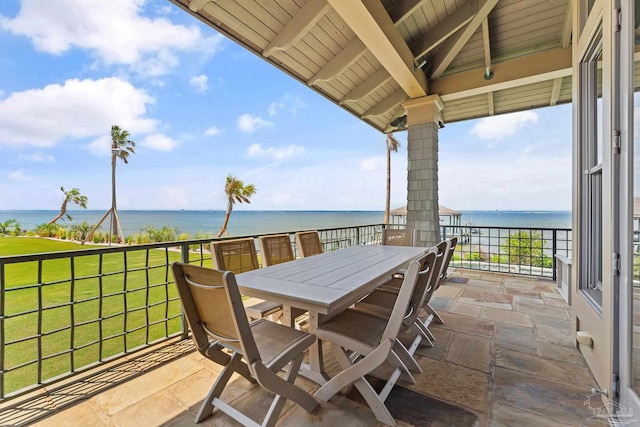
x: 424, y: 120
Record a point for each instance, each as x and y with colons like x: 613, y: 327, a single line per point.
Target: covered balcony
x: 504, y: 356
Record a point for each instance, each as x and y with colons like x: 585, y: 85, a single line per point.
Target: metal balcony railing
x: 66, y: 312
x: 519, y: 250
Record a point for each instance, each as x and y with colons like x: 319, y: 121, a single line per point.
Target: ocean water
x: 244, y: 222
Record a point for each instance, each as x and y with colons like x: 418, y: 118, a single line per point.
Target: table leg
x: 315, y: 369
x: 287, y: 316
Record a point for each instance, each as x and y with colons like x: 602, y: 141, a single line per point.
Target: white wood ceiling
x: 362, y: 54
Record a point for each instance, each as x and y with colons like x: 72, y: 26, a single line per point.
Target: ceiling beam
x: 403, y: 9
x: 443, y: 58
x: 388, y: 103
x: 355, y: 49
x: 370, y: 84
x: 371, y: 23
x: 486, y: 41
x: 297, y: 27
x: 555, y: 91
x: 565, y: 39
x: 196, y: 5
x: 442, y: 31
x: 547, y: 65
x: 491, y: 109
x: 343, y: 60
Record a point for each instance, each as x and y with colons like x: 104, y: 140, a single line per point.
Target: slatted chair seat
x: 213, y: 307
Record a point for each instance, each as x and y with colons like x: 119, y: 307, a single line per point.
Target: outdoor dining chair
x: 382, y: 300
x: 308, y: 243
x: 398, y: 236
x: 449, y: 250
x: 276, y: 249
x: 238, y: 256
x: 363, y: 342
x: 258, y: 351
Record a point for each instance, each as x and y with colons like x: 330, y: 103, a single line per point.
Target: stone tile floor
x: 504, y: 353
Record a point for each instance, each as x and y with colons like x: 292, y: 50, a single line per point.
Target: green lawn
x: 73, y: 323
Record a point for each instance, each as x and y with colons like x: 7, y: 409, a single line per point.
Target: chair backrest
x: 213, y: 306
x: 441, y: 250
x: 275, y: 249
x: 308, y: 243
x: 398, y: 237
x: 238, y: 255
x: 424, y: 283
x: 403, y: 300
x: 453, y: 242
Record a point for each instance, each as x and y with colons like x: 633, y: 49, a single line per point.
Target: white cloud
x: 499, y: 127
x: 290, y: 103
x: 248, y: 123
x: 199, y: 83
x: 20, y: 176
x: 213, y: 131
x: 373, y: 164
x: 114, y: 31
x: 76, y: 109
x: 278, y: 154
x: 38, y: 157
x: 159, y: 142
x: 274, y: 107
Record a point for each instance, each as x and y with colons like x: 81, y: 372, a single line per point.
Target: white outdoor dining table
x: 326, y: 284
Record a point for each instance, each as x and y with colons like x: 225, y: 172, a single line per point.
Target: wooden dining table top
x: 329, y: 282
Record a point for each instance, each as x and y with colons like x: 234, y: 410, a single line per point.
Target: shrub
x: 526, y: 249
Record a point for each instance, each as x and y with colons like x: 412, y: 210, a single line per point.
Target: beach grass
x: 75, y: 323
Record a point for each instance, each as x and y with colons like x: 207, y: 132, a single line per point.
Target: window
x: 592, y: 151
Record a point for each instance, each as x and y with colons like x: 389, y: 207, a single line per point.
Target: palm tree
x: 236, y: 191
x: 71, y: 195
x: 121, y: 147
x: 6, y: 226
x: 392, y: 145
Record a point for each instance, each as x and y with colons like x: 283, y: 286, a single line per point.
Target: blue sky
x: 200, y: 107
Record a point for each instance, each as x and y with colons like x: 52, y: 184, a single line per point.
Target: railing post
x: 185, y: 325
x: 554, y: 250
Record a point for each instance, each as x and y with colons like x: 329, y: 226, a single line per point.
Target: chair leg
x: 284, y: 387
x: 436, y: 316
x: 405, y: 357
x: 207, y: 406
x: 350, y: 372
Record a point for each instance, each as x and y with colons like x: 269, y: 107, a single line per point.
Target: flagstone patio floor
x: 504, y: 354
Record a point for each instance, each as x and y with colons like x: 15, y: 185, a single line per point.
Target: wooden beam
x: 547, y: 65
x: 196, y: 5
x: 486, y: 41
x: 565, y: 39
x: 297, y: 27
x: 355, y: 49
x: 442, y: 31
x: 376, y: 80
x: 343, y: 60
x: 555, y: 91
x: 370, y: 22
x: 403, y: 9
x: 491, y: 109
x: 390, y: 102
x: 454, y: 44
